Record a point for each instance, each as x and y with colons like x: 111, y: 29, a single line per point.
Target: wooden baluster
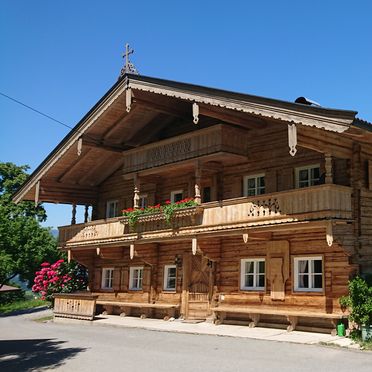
x: 73, y: 218
x: 86, y: 214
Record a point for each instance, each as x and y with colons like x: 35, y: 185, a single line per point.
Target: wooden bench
x: 170, y: 308
x: 254, y: 313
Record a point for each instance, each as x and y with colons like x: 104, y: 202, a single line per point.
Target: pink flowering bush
x: 60, y: 277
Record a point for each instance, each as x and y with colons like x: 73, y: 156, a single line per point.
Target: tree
x: 24, y: 244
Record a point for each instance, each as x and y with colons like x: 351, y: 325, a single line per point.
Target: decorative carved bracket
x: 292, y: 139
x: 37, y: 192
x: 245, y: 237
x: 194, y: 245
x: 329, y: 234
x: 128, y: 99
x: 195, y: 113
x: 131, y: 251
x: 79, y: 146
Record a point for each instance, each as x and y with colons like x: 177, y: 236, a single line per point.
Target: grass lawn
x: 22, y: 305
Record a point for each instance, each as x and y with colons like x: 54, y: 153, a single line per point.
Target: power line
x: 35, y: 110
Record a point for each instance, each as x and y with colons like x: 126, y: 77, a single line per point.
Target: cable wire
x: 35, y: 110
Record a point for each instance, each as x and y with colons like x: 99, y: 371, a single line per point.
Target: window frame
x: 296, y: 288
x: 103, y: 278
x: 166, y: 277
x: 131, y: 273
x: 255, y: 274
x: 308, y: 168
x: 256, y: 177
x: 108, y: 202
x: 174, y: 193
x: 142, y: 198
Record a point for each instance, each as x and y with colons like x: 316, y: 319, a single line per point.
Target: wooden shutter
x: 124, y: 279
x: 97, y: 278
x: 146, y: 279
x: 116, y: 279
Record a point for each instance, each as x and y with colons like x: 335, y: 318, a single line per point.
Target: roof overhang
x: 332, y: 120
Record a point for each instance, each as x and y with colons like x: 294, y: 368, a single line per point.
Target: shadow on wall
x: 34, y: 354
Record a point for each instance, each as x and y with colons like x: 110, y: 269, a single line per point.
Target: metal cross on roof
x: 129, y: 67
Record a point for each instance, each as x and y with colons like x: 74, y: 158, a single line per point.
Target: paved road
x: 26, y: 345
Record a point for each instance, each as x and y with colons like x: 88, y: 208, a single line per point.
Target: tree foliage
x: 24, y: 244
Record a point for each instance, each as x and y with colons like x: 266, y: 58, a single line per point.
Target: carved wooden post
x: 136, y: 197
x: 86, y: 214
x: 197, y: 196
x: 328, y: 168
x: 73, y: 218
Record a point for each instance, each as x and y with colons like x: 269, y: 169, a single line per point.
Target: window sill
x: 301, y: 291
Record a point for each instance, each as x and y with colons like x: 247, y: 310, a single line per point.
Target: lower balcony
x: 312, y: 203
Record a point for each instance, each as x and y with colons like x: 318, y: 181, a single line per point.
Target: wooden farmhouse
x: 282, y: 211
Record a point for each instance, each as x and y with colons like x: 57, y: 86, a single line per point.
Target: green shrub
x: 359, y: 301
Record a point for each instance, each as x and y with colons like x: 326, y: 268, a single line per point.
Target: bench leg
x: 220, y: 317
x: 170, y: 313
x: 255, y: 319
x: 108, y: 310
x: 293, y: 320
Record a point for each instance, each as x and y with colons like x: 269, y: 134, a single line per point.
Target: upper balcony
x: 212, y: 143
x: 313, y: 203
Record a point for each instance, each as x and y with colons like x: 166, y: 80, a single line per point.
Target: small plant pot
x: 366, y: 332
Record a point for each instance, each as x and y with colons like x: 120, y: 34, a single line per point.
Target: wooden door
x: 200, y: 287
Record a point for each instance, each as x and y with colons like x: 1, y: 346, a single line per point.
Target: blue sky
x: 62, y: 56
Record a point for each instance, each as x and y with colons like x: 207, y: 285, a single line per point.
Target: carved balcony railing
x: 156, y: 221
x: 208, y: 141
x: 114, y: 228
x: 312, y: 203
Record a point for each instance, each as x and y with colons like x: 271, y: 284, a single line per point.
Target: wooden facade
x: 284, y: 204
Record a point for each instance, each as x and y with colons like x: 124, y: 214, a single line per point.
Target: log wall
x: 226, y: 253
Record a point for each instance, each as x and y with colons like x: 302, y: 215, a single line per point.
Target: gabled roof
x: 108, y: 122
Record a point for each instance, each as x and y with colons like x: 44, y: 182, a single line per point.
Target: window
x: 107, y: 278
x: 176, y: 196
x: 308, y: 273
x: 143, y: 201
x: 254, y: 185
x: 170, y: 277
x: 307, y: 176
x: 252, y: 274
x: 111, y: 208
x: 206, y: 198
x: 135, y: 278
